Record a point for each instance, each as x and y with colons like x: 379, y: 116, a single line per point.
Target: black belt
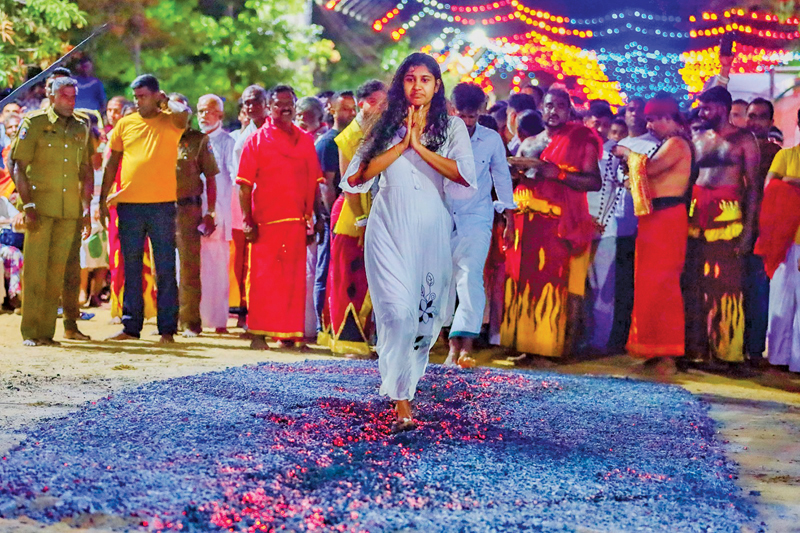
x: 665, y: 202
x: 192, y: 200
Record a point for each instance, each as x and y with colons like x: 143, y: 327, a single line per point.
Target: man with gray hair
x: 54, y: 177
x: 195, y: 218
x: 215, y: 248
x: 310, y: 113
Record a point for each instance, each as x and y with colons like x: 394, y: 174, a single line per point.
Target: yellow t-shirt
x: 149, y: 149
x: 349, y: 140
x: 787, y: 162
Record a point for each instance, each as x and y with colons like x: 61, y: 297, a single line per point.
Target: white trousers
x: 783, y: 334
x: 470, y: 243
x: 310, y: 329
x: 214, y: 258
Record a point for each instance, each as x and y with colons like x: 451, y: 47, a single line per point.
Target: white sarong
x: 783, y: 333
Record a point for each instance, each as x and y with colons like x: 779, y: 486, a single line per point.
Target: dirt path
x: 759, y: 418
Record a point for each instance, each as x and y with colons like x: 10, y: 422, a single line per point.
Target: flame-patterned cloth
x: 715, y: 214
x: 715, y: 273
x: 553, y: 226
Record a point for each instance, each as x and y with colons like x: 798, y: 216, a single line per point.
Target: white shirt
x: 236, y: 207
x: 603, y: 203
x: 7, y: 210
x: 222, y: 144
x: 491, y: 170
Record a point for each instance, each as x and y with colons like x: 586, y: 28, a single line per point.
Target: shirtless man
x: 659, y: 185
x: 722, y: 217
x: 547, y: 265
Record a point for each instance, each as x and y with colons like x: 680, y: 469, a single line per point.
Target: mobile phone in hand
x: 726, y: 44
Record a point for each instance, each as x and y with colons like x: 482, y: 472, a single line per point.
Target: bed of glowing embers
x: 309, y: 447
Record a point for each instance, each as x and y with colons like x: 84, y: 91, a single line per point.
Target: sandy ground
x: 758, y: 418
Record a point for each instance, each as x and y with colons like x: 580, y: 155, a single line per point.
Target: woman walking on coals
x: 423, y: 156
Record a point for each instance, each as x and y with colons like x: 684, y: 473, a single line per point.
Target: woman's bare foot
x: 259, y: 342
x: 30, y: 342
x: 221, y: 331
x: 167, y: 338
x: 122, y: 336
x: 403, y: 409
x: 405, y: 417
x: 286, y: 344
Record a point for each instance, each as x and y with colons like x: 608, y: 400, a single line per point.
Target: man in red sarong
x: 278, y: 176
x: 547, y: 265
x: 722, y: 217
x: 659, y: 186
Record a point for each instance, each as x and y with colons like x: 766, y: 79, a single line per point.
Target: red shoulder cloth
x: 778, y: 223
x: 566, y: 150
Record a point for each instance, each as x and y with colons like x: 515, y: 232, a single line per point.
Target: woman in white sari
x: 422, y: 156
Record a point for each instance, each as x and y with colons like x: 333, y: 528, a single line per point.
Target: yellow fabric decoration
x: 346, y: 224
x: 640, y: 189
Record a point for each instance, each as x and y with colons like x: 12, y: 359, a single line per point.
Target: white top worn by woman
x: 407, y: 255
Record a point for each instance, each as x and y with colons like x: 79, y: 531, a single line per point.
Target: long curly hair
x: 435, y: 133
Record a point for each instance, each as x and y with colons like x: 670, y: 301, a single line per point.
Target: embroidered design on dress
x: 427, y: 309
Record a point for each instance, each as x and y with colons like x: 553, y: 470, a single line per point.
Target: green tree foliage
x: 352, y: 70
x: 32, y: 35
x: 196, y: 49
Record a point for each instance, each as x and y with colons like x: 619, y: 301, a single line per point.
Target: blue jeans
x: 756, y: 307
x: 321, y: 274
x: 136, y: 223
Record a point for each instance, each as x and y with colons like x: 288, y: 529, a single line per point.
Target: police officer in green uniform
x: 195, y: 158
x: 70, y: 294
x: 54, y: 179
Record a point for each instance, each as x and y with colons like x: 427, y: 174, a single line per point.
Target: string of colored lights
x: 611, y: 67
x: 617, y: 22
x: 699, y: 65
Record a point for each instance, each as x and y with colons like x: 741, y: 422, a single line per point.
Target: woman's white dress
x: 408, y: 258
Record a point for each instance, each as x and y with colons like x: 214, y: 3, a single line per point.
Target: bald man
x: 215, y: 247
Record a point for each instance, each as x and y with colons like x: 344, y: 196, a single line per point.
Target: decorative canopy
x: 621, y: 54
